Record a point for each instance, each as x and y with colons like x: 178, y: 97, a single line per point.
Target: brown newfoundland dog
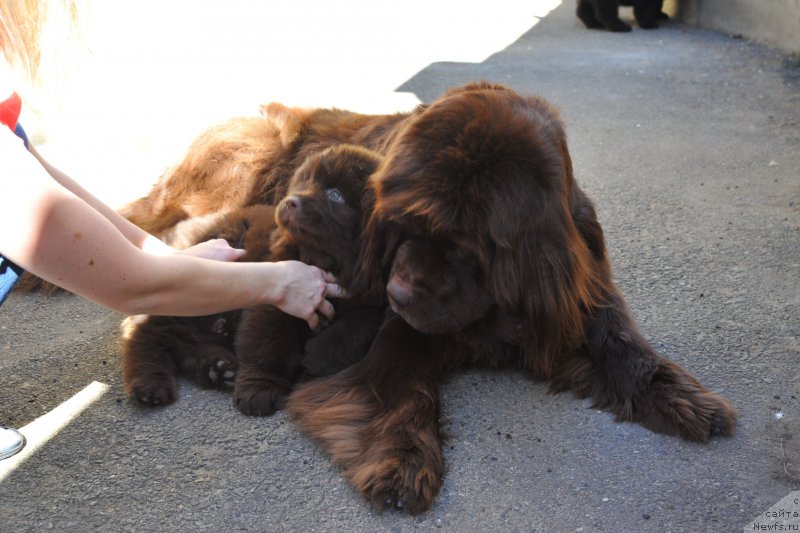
x: 490, y: 255
x: 319, y: 222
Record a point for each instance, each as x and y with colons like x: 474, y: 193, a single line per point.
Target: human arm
x: 59, y: 236
x: 216, y: 249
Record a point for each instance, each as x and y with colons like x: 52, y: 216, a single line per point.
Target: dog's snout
x: 399, y: 291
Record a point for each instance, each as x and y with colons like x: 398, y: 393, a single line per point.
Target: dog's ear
x: 547, y: 282
x: 287, y: 120
x: 542, y: 273
x: 379, y: 241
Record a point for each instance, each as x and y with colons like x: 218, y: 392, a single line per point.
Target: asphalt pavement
x: 689, y: 143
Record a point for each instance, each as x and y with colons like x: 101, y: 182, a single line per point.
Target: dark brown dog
x: 484, y: 244
x: 490, y: 254
x: 320, y: 223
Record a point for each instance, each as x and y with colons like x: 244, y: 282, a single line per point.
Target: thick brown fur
x: 487, y: 247
x: 320, y: 222
x: 157, y: 348
x: 484, y: 243
x: 307, y: 225
x: 250, y: 160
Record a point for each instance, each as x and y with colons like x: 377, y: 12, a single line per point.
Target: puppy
x: 251, y: 160
x: 321, y: 223
x: 318, y: 222
x: 157, y: 348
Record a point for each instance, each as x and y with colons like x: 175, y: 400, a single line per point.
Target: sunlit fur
x: 248, y: 161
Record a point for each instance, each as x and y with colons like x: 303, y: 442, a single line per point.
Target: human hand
x: 305, y: 289
x: 216, y: 249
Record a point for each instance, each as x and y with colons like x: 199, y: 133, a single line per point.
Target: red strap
x: 9, y: 110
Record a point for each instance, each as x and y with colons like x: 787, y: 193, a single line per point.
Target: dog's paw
x: 222, y: 373
x: 407, y: 480
x: 154, y: 390
x: 261, y: 397
x: 681, y: 405
x: 648, y: 25
x: 217, y: 372
x: 618, y: 26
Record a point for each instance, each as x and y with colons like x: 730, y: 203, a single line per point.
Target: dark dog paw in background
x: 604, y: 14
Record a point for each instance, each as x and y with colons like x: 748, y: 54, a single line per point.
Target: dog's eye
x: 335, y: 195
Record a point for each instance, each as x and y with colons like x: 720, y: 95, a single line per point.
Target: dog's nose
x: 399, y: 292
x: 288, y: 210
x: 293, y: 202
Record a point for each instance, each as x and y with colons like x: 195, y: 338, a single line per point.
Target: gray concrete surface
x: 776, y: 22
x: 689, y: 142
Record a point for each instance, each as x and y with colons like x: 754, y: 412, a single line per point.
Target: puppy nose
x: 399, y: 292
x: 288, y: 210
x: 293, y: 202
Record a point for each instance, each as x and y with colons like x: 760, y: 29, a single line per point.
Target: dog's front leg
x: 269, y: 351
x: 379, y: 419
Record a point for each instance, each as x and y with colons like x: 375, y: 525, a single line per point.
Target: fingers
x: 332, y: 287
x: 223, y: 251
x: 326, y: 309
x: 226, y: 253
x: 215, y: 249
x: 234, y: 253
x: 334, y: 290
x: 307, y: 292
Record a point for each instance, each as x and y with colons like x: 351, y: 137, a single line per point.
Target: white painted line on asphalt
x: 44, y: 428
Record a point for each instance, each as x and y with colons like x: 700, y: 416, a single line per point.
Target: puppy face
x: 323, y: 213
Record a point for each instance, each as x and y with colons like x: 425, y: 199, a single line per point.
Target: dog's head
x: 326, y: 208
x: 473, y: 205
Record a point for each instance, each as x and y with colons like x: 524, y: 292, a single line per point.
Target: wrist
x: 275, y: 286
